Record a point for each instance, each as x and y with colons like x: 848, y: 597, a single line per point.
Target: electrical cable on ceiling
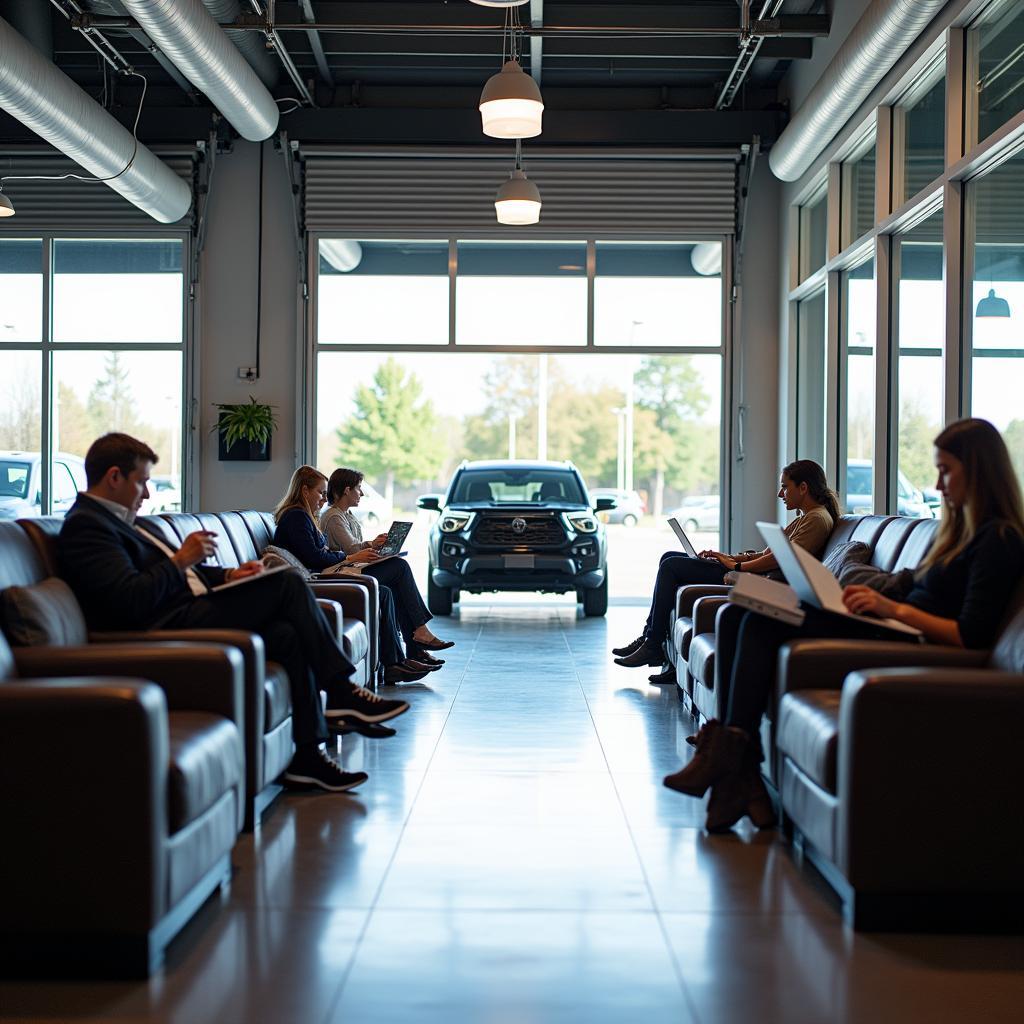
x: 259, y: 267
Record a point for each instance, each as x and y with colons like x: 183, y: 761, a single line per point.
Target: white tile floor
x: 514, y: 859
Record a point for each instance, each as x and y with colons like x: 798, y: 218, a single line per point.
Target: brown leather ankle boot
x: 719, y: 753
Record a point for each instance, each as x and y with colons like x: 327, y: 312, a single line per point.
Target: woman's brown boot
x: 719, y: 753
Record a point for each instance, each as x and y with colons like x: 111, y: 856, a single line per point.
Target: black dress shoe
x: 631, y: 648
x: 667, y: 678
x: 416, y: 653
x: 648, y: 653
x: 420, y: 666
x: 435, y: 644
x: 403, y: 673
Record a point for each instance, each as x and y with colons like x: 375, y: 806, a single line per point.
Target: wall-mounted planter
x: 242, y: 450
x: 244, y: 431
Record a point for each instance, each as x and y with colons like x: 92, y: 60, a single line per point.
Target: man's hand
x: 865, y: 601
x: 195, y: 548
x: 245, y: 569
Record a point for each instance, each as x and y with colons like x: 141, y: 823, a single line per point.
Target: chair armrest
x: 333, y: 613
x: 194, y: 677
x: 688, y: 595
x: 325, y: 588
x: 824, y: 664
x: 113, y: 802
x: 896, y: 781
x: 353, y: 598
x: 704, y: 611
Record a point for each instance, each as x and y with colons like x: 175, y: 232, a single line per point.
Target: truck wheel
x: 439, y: 599
x: 595, y: 602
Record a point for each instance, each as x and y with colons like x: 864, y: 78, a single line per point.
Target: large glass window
x: 919, y: 384
x: 382, y: 292
x: 1000, y: 84
x: 814, y: 234
x: 859, y: 376
x: 858, y: 198
x: 521, y: 293
x: 114, y: 361
x: 810, y: 386
x: 648, y: 294
x: 997, y: 365
x: 924, y: 137
x: 21, y: 290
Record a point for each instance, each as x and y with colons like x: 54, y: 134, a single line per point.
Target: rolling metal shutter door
x: 75, y: 205
x: 677, y: 194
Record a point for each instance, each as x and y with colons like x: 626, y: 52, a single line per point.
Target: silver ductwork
x: 878, y: 40
x: 44, y: 99
x: 200, y: 49
x: 252, y: 45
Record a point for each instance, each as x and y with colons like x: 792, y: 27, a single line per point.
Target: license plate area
x: 519, y: 561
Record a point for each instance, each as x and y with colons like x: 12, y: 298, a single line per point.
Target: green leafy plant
x: 252, y: 421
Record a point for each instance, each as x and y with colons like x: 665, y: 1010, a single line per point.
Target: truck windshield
x: 517, y: 486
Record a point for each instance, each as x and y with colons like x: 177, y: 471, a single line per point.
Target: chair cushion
x: 702, y: 659
x: 808, y: 732
x: 277, y: 697
x: 274, y: 556
x: 682, y: 634
x: 46, y: 614
x: 355, y: 641
x: 851, y: 552
x: 206, y: 762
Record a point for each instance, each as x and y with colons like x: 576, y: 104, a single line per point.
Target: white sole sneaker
x: 310, y: 780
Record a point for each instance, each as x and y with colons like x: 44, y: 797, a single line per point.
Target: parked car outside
x: 859, y: 485
x: 631, y: 506
x: 21, y: 483
x: 517, y: 526
x: 164, y: 496
x: 372, y: 511
x: 698, y: 512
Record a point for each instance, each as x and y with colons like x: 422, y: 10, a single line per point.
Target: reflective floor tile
x: 523, y: 968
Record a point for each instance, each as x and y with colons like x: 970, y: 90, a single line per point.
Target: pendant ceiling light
x: 993, y: 306
x: 511, y: 106
x: 499, y: 3
x: 518, y: 199
x: 6, y: 206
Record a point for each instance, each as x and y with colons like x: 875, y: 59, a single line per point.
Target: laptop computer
x: 395, y: 539
x: 813, y: 583
x: 683, y: 539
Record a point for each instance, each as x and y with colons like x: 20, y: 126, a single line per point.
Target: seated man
x: 128, y: 578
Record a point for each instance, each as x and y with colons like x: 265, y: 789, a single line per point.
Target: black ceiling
x: 397, y: 69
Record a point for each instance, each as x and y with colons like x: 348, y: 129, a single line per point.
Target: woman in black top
x: 961, y: 593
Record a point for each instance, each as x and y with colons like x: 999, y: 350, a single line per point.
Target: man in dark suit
x: 126, y: 577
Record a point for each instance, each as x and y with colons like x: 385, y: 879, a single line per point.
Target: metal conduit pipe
x: 202, y: 52
x: 251, y: 46
x: 44, y: 99
x: 877, y: 41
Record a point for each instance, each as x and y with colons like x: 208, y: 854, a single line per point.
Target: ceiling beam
x: 315, y: 43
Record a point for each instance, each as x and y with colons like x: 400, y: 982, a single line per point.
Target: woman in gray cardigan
x: 344, y: 533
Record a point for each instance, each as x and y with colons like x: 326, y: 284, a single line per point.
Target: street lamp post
x: 620, y: 457
x: 627, y: 483
x: 512, y: 417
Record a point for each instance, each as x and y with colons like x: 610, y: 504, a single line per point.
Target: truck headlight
x: 452, y: 522
x: 581, y: 522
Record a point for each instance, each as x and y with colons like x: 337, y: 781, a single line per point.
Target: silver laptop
x: 683, y: 539
x: 813, y: 583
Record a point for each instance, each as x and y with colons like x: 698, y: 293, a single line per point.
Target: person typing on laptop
x: 961, y: 593
x: 804, y: 489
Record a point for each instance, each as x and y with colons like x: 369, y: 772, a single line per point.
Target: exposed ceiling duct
x: 44, y: 99
x: 252, y: 45
x: 201, y: 50
x: 344, y: 254
x: 878, y: 40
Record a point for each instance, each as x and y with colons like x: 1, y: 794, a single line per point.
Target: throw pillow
x: 274, y: 556
x: 851, y: 552
x: 46, y: 614
x: 895, y: 585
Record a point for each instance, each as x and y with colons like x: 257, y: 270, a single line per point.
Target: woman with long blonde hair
x: 960, y: 596
x: 297, y: 532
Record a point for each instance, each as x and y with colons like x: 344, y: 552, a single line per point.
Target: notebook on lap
x: 813, y: 583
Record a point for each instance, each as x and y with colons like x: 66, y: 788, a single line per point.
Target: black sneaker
x: 404, y: 672
x: 349, y: 726
x: 648, y: 653
x: 631, y: 648
x: 367, y: 707
x: 319, y: 769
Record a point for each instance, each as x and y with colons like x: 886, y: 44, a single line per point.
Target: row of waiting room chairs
x: 896, y: 766
x: 131, y: 762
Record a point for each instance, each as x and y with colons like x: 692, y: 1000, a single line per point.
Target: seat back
x: 261, y: 527
x: 181, y: 524
x: 917, y: 544
x: 850, y: 528
x: 21, y: 562
x: 238, y: 533
x: 1008, y: 653
x: 43, y: 532
x: 890, y: 542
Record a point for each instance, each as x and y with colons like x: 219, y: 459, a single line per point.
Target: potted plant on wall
x: 244, y: 431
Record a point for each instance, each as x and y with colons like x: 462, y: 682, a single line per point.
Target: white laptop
x: 683, y: 539
x: 813, y: 583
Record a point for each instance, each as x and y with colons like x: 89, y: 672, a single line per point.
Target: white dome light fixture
x: 518, y: 200
x: 6, y: 206
x: 511, y: 106
x: 499, y: 3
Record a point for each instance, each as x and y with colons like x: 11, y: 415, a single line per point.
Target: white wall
x: 228, y: 324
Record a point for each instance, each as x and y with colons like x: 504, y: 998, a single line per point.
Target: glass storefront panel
x: 810, y: 372
x: 649, y: 294
x: 382, y: 292
x: 919, y: 384
x: 859, y: 377
x: 997, y: 364
x: 859, y: 195
x: 924, y: 139
x: 118, y: 291
x: 21, y: 290
x: 813, y: 235
x: 1000, y: 86
x: 21, y: 390
x: 521, y: 293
